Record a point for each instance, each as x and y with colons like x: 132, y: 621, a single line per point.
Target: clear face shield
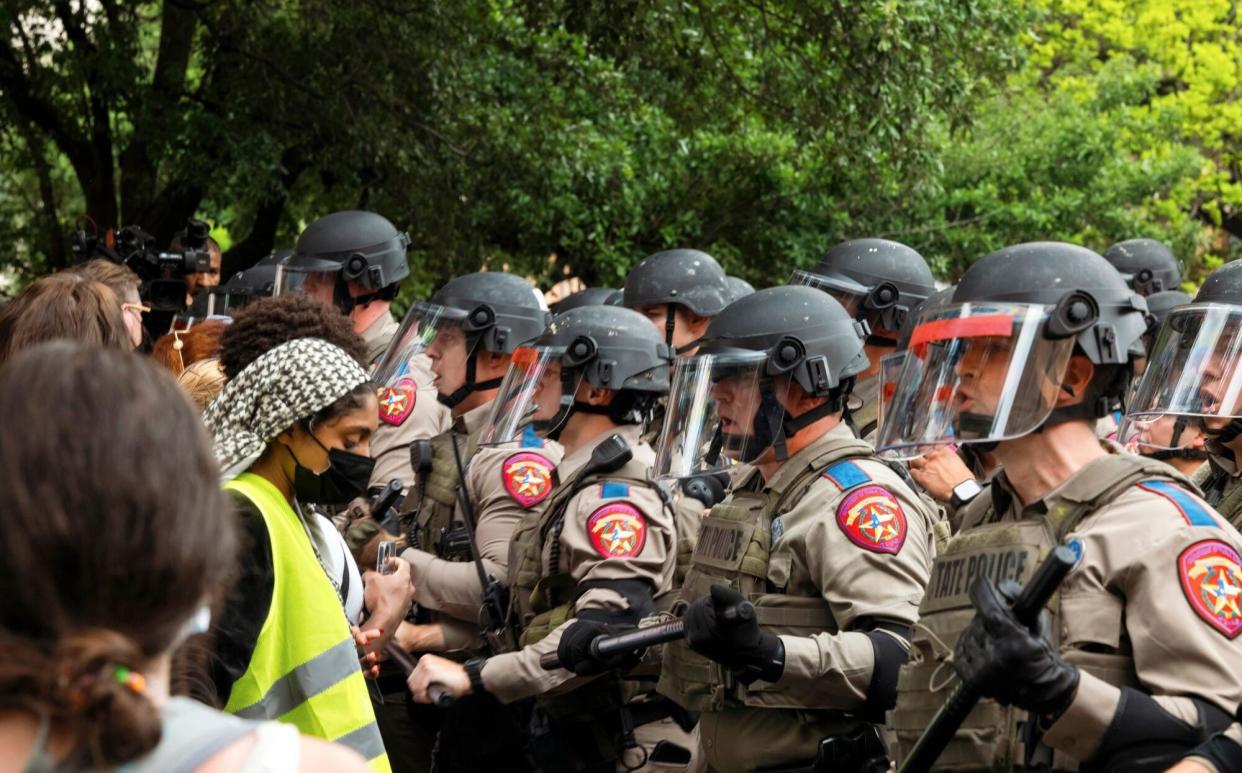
x: 317, y: 279
x: 974, y: 372
x: 1169, y: 432
x: 533, y: 398
x: 430, y: 342
x: 723, y: 409
x: 1193, y: 370
x: 883, y: 299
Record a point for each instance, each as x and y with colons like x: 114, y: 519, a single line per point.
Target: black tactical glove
x: 574, y: 649
x: 1003, y: 659
x: 751, y: 653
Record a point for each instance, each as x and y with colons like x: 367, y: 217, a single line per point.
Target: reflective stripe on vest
x: 304, y: 669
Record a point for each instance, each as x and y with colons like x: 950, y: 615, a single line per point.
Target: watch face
x: 967, y: 489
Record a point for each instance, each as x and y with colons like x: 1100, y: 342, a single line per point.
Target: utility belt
x: 863, y: 751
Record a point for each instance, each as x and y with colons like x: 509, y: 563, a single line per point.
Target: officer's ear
x: 692, y: 323
x: 797, y: 401
x: 593, y: 395
x: 1077, y: 380
x: 491, y: 365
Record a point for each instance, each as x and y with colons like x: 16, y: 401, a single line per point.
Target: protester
x: 89, y: 624
x: 293, y: 427
x: 179, y: 349
x: 124, y: 283
x: 62, y: 306
x: 202, y: 381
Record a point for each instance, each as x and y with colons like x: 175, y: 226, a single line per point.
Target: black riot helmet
x: 738, y: 287
x: 491, y: 310
x: 591, y: 296
x: 247, y: 285
x: 352, y: 246
x: 986, y: 366
x: 731, y: 398
x: 877, y: 280
x: 1147, y: 265
x: 604, y: 346
x: 688, y: 278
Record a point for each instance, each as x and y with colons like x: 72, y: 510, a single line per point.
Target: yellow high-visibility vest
x: 304, y: 669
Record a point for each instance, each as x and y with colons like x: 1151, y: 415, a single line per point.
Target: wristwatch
x: 964, y: 492
x: 474, y: 670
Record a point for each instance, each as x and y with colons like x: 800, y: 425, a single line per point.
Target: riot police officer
x: 469, y: 329
x: 679, y: 291
x: 879, y: 282
x: 1188, y: 399
x: 602, y: 545
x: 831, y: 543
x: 1037, y: 343
x: 1146, y: 265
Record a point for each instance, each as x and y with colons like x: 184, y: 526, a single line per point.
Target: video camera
x: 162, y: 273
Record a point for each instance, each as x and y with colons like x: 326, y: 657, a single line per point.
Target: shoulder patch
x: 1194, y: 511
x: 531, y: 439
x: 617, y: 530
x: 873, y: 519
x: 1211, y: 575
x: 846, y: 475
x: 396, y: 402
x: 614, y: 490
x: 527, y: 477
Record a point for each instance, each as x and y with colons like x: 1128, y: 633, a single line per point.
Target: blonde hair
x: 202, y: 381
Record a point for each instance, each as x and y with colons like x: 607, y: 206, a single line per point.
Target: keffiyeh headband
x: 288, y: 383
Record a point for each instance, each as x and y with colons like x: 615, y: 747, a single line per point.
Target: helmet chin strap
x: 1227, y: 433
x: 471, y: 386
x: 773, y: 425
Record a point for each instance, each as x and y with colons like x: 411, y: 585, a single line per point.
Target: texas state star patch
x: 396, y: 402
x: 1211, y: 574
x: 617, y: 530
x: 527, y: 478
x: 873, y: 520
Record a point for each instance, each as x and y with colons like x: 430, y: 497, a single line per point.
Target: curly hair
x: 270, y: 322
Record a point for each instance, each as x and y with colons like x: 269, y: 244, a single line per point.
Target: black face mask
x: 347, y: 476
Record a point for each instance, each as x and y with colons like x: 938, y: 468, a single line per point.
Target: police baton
x: 439, y: 696
x: 952, y: 714
x: 603, y: 646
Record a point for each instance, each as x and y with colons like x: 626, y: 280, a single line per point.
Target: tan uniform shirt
x: 1139, y: 582
x: 401, y: 424
x: 584, y: 554
x: 827, y: 546
x: 504, y: 483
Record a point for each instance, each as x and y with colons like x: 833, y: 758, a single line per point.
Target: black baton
x: 439, y: 696
x: 673, y: 630
x: 952, y: 714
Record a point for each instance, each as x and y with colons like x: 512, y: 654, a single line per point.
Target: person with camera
x: 90, y: 625
x: 601, y: 546
x: 293, y: 428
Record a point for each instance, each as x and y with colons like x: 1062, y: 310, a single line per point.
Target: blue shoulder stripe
x: 614, y: 490
x: 846, y: 475
x: 1190, y: 507
x: 530, y: 439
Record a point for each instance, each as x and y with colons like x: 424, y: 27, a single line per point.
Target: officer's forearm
x: 450, y: 587
x: 840, y: 666
x: 516, y: 675
x: 1105, y: 724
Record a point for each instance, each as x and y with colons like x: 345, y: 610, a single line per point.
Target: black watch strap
x: 474, y: 670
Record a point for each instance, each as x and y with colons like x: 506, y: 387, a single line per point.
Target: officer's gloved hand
x: 739, y: 645
x: 574, y: 649
x: 1003, y: 659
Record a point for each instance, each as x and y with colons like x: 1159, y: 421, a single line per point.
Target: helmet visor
x: 722, y: 409
x: 891, y: 366
x: 848, y: 293
x: 1159, y: 433
x: 1195, y: 367
x: 533, y: 397
x: 316, y: 278
x: 428, y: 330
x: 975, y: 373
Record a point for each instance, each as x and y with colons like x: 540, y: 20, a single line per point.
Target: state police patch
x: 396, y: 402
x: 873, y: 519
x: 1211, y: 575
x: 527, y: 477
x: 617, y: 530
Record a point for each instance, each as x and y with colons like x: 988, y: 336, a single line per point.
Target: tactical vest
x: 542, y: 597
x: 734, y: 549
x: 439, y: 502
x: 1222, y: 491
x: 992, y: 737
x: 866, y: 419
